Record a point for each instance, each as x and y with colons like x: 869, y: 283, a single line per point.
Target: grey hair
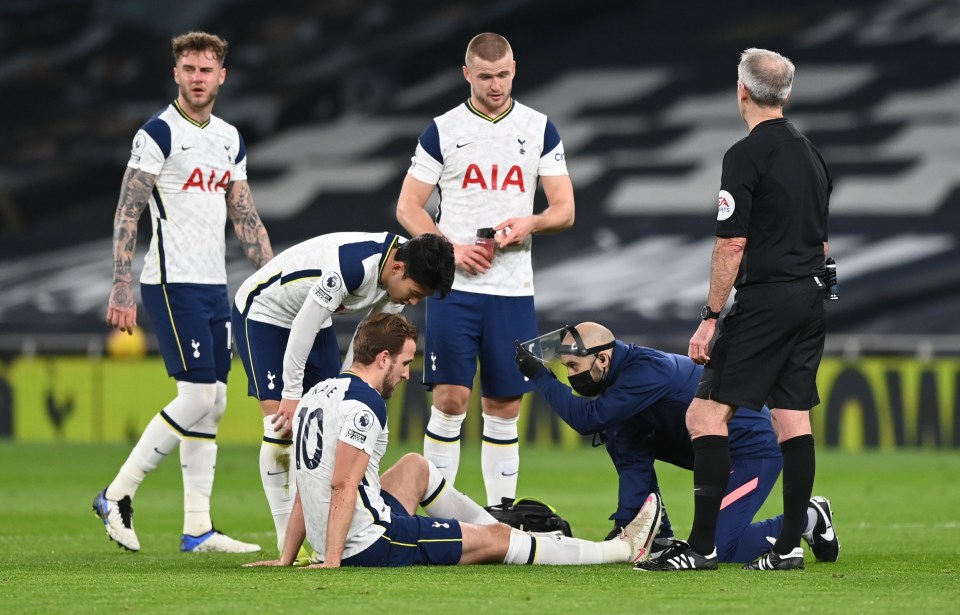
x: 767, y: 75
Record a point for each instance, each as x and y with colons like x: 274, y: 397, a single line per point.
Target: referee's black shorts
x: 769, y: 347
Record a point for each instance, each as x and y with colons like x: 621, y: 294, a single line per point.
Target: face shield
x: 552, y: 346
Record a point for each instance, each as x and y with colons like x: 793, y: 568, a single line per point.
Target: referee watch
x: 707, y: 314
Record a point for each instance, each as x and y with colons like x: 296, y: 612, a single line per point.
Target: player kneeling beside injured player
x: 354, y: 517
x: 636, y: 399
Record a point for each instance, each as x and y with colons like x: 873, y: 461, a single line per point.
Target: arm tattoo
x: 134, y: 196
x: 247, y: 224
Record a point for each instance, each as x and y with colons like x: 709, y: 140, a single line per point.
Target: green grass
x: 898, y: 517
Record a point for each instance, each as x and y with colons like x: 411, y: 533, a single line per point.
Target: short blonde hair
x: 199, y: 41
x: 488, y: 46
x: 767, y: 75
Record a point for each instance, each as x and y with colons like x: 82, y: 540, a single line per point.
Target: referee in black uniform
x: 771, y: 244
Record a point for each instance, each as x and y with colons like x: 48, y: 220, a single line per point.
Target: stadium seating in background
x: 332, y: 95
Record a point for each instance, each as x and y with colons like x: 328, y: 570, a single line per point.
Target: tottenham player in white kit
x: 190, y: 168
x: 283, y: 322
x: 486, y: 157
x: 354, y: 517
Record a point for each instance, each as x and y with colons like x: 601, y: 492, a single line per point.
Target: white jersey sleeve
x: 146, y: 154
x: 329, y: 291
x: 303, y: 333
x: 360, y: 428
x: 553, y: 160
x: 423, y: 166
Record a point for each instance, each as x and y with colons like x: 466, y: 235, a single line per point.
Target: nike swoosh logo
x: 159, y: 452
x: 184, y: 147
x: 459, y: 145
x: 269, y: 473
x: 510, y: 473
x: 828, y: 535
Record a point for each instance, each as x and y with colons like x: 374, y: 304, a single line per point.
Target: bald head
x: 594, y: 334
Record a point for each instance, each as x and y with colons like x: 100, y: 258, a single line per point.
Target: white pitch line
x: 949, y: 525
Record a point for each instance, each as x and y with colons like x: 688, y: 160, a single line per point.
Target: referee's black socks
x: 799, y: 468
x: 711, y: 472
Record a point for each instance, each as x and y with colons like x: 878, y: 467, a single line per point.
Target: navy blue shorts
x: 464, y: 326
x: 261, y: 347
x: 412, y: 540
x: 751, y: 479
x: 192, y: 322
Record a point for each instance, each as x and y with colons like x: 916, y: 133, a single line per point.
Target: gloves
x: 528, y: 364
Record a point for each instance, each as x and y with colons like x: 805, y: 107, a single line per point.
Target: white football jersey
x: 194, y: 163
x: 342, y: 409
x: 487, y: 170
x: 340, y: 271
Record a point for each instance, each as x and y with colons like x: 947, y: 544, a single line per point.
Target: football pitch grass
x: 897, y: 516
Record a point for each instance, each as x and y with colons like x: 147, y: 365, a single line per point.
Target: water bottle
x: 485, y: 239
x: 833, y: 290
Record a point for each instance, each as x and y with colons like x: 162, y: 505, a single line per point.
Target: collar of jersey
x: 387, y: 246
x: 770, y: 122
x: 176, y: 105
x: 494, y: 120
x: 354, y: 376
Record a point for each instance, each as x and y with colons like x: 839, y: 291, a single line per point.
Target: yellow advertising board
x: 873, y: 402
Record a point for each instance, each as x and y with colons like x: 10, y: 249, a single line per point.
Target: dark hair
x: 379, y: 332
x: 199, y: 41
x: 429, y: 262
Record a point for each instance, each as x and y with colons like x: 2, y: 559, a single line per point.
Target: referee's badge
x: 725, y: 205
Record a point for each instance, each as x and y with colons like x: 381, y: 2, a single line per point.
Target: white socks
x: 554, y: 550
x: 442, y: 500
x: 277, y: 478
x: 441, y: 443
x: 499, y: 458
x: 499, y: 452
x: 157, y: 441
x: 198, y: 462
x: 191, y: 420
x: 165, y: 430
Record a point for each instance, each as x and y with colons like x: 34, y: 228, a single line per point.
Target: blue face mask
x: 584, y: 384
